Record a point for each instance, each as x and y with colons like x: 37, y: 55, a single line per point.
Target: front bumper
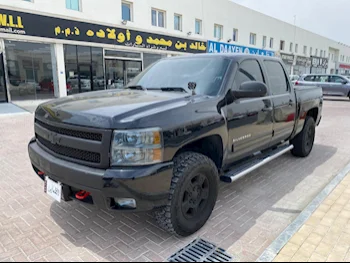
x: 149, y: 186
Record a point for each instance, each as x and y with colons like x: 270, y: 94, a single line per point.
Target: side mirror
x: 345, y: 82
x: 250, y: 89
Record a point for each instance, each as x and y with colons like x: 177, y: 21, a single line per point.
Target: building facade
x: 54, y: 48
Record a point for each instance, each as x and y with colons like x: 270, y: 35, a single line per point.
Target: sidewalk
x: 326, y: 235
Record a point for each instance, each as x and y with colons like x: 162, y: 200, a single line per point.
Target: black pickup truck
x: 164, y: 141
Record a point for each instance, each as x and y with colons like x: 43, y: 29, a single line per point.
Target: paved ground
x: 9, y: 108
x: 248, y: 216
x: 326, y: 235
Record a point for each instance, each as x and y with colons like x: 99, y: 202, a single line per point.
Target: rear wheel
x: 304, y: 141
x: 193, y: 194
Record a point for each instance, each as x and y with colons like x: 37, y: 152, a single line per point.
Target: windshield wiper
x: 178, y: 89
x: 136, y: 87
x: 165, y: 89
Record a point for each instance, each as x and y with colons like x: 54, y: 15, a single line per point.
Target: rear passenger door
x: 283, y: 100
x: 249, y: 120
x: 323, y: 82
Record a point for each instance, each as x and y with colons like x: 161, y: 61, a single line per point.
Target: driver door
x: 249, y: 120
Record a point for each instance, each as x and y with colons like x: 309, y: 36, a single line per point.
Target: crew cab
x: 164, y: 141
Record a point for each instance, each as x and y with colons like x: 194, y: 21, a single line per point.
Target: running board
x: 246, y: 168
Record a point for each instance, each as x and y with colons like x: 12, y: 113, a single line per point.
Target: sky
x: 329, y: 18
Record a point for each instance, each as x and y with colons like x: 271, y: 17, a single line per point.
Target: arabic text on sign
x: 138, y: 40
x: 180, y: 45
x: 159, y: 42
x: 67, y: 32
x: 101, y: 34
x: 198, y: 46
x: 111, y: 33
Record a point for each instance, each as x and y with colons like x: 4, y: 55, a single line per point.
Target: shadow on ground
x: 251, y: 203
x: 336, y: 99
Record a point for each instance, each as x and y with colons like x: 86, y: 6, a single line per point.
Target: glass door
x: 3, y: 95
x: 132, y: 69
x: 115, y: 76
x: 121, y: 72
x: 85, y: 77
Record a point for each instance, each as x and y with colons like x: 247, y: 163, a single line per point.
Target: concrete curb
x: 272, y: 251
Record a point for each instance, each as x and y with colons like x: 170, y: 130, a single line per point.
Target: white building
x: 51, y: 48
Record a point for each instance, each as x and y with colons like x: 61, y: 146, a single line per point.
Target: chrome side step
x: 247, y: 168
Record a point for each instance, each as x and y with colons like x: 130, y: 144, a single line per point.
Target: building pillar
x: 58, y: 70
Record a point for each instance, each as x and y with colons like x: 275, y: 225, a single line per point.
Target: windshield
x: 208, y: 73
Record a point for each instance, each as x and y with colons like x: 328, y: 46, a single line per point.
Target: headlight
x: 137, y: 147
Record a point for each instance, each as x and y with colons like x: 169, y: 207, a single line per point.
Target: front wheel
x: 304, y: 141
x: 193, y: 194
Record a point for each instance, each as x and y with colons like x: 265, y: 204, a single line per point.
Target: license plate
x: 53, y: 189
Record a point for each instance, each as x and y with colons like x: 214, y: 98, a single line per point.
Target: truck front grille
x: 83, y: 145
x: 73, y: 133
x: 70, y: 152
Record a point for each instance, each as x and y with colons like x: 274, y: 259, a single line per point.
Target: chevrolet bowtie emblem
x: 54, y: 138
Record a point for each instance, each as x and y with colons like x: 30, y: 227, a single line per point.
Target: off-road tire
x: 304, y: 141
x: 187, y: 168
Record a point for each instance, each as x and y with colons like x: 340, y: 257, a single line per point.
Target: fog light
x: 125, y: 203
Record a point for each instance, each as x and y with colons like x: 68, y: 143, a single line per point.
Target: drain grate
x: 201, y: 251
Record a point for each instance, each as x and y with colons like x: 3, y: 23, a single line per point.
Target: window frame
x: 79, y: 5
x: 291, y: 47
x: 131, y: 10
x: 335, y: 76
x: 271, y: 44
x: 238, y: 71
x: 282, y: 45
x: 222, y: 31
x: 254, y: 35
x: 296, y: 48
x: 289, y: 89
x: 264, y: 44
x: 157, y: 17
x: 180, y: 22
x: 235, y: 35
x: 200, y: 22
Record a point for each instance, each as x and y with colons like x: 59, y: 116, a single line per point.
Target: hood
x: 113, y: 109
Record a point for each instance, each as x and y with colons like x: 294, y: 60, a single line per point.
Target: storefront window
x: 84, y: 69
x: 98, y: 74
x: 150, y: 58
x: 29, y: 70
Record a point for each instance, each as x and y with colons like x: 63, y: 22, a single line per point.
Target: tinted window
x: 309, y: 78
x: 208, y: 73
x: 320, y: 78
x: 336, y: 79
x: 249, y: 71
x: 277, y: 78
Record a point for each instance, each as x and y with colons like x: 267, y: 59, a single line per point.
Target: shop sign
x: 287, y: 58
x: 19, y: 23
x: 344, y: 66
x: 219, y: 47
x: 303, y: 61
x: 318, y: 62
